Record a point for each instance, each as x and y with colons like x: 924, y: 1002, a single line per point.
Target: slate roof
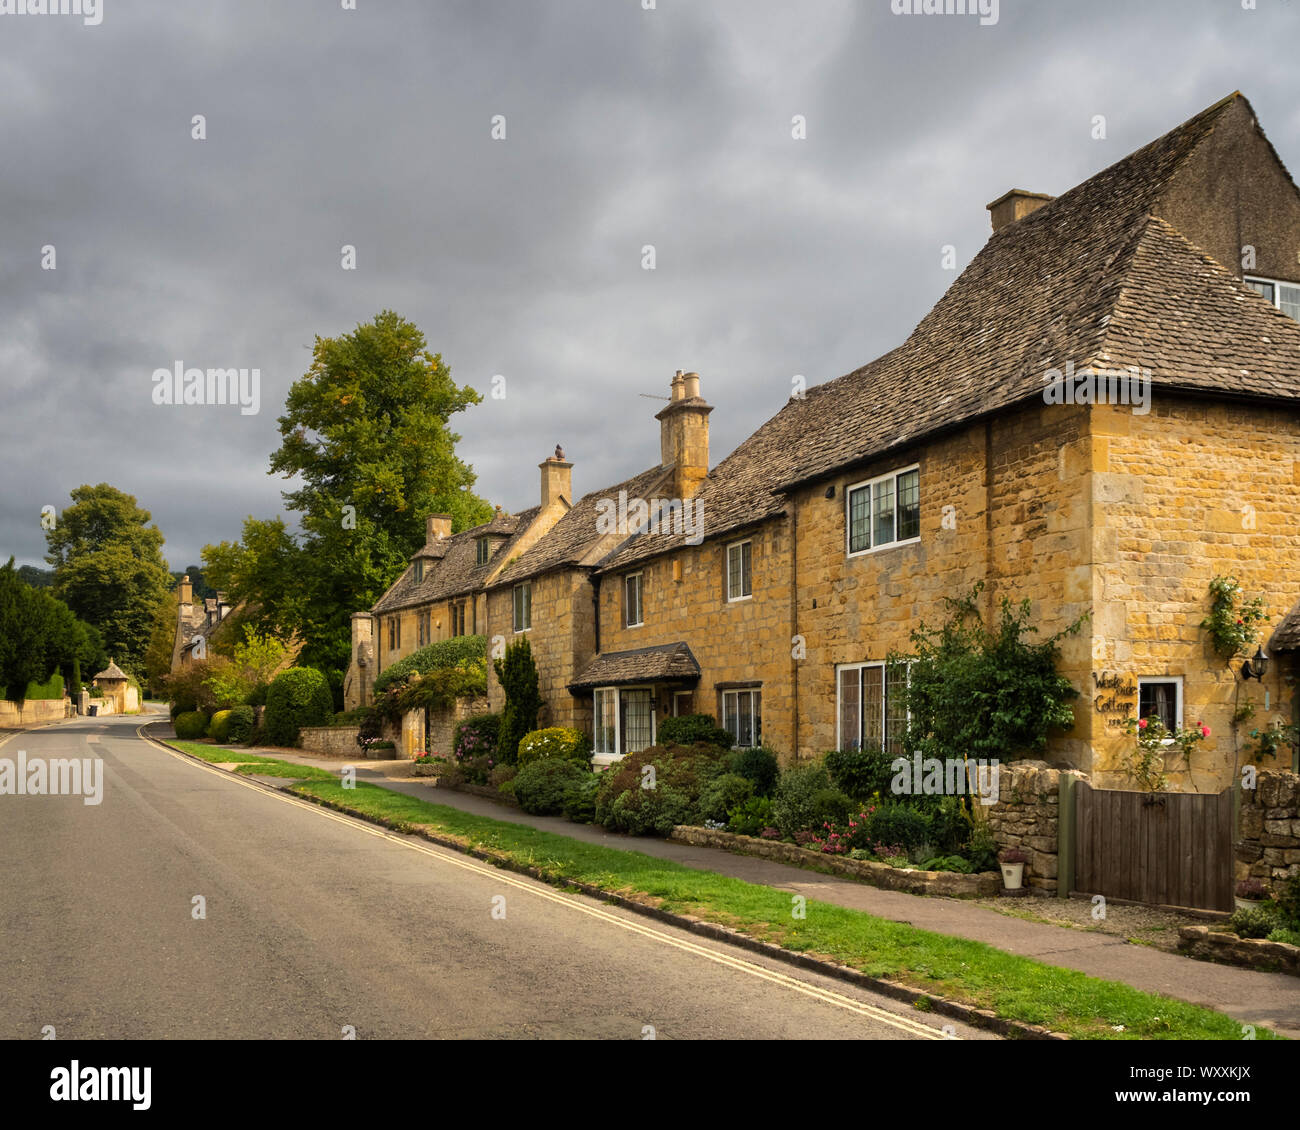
x: 672, y: 661
x: 1095, y: 276
x: 575, y: 535
x: 456, y: 571
x: 1286, y: 636
x: 112, y: 671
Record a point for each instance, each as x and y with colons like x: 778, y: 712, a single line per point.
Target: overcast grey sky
x: 522, y: 256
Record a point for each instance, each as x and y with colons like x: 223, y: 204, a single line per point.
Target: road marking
x: 445, y: 855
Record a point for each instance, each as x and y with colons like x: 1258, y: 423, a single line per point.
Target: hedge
x: 297, y: 697
x: 444, y: 653
x: 191, y: 725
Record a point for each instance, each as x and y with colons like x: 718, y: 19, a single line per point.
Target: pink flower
x: 1205, y: 730
x: 1142, y: 723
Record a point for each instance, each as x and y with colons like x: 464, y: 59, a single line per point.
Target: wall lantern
x: 1256, y: 667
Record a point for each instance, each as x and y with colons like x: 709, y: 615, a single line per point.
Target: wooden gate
x: 1169, y: 849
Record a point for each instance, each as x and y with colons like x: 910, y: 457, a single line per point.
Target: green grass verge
x: 251, y: 763
x: 974, y: 973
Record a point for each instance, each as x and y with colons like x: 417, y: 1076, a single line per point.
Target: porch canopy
x: 1286, y: 637
x: 671, y: 662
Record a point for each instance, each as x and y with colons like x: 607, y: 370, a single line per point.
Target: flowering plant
x: 1146, y: 762
x: 1232, y: 628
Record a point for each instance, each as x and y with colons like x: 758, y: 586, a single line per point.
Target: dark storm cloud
x: 625, y: 127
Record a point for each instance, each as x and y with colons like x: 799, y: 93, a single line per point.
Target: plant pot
x: 1013, y: 875
x: 1246, y: 904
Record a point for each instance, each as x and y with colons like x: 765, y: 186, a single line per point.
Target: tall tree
x: 366, y: 430
x: 38, y: 636
x: 109, y: 568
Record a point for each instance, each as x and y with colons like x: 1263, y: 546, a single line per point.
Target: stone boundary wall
x: 1201, y: 941
x: 331, y: 741
x: 1268, y: 827
x: 949, y: 883
x: 1027, y: 816
x: 32, y: 712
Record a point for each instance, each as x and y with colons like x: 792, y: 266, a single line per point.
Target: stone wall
x: 1269, y: 827
x: 1027, y: 816
x: 332, y: 741
x: 32, y: 712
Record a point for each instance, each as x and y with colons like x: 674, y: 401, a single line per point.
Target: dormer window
x: 419, y: 571
x: 1285, y: 296
x: 482, y: 551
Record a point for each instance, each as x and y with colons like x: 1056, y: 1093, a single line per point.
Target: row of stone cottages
x: 843, y: 522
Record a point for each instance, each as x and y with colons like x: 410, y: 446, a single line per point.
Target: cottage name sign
x: 1119, y: 704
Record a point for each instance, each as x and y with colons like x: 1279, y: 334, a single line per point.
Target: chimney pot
x: 1015, y: 205
x: 692, y: 385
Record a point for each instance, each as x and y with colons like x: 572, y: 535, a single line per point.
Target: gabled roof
x: 579, y: 532
x: 1094, y: 277
x: 456, y: 570
x: 668, y: 662
x: 112, y: 671
x: 1286, y: 636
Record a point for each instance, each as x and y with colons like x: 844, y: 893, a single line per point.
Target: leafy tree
x: 979, y: 692
x: 162, y: 642
x: 250, y: 670
x: 39, y: 635
x: 109, y: 569
x: 37, y: 578
x: 366, y: 431
x: 518, y: 675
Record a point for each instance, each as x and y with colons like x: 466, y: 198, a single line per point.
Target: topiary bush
x: 219, y: 727
x: 692, y: 728
x: 723, y: 794
x: 540, y: 787
x: 794, y: 807
x: 191, y: 725
x: 860, y: 773
x: 555, y: 743
x: 760, y: 765
x: 297, y: 697
x: 240, y: 725
x: 445, y: 653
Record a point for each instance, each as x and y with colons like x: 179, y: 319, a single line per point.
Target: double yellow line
x: 540, y: 890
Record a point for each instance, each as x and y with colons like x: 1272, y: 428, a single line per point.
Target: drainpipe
x: 794, y: 626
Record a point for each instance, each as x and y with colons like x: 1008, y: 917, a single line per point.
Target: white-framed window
x: 742, y: 716
x: 870, y: 707
x: 481, y: 551
x: 1284, y: 295
x: 623, y: 720
x: 1161, y: 696
x: 883, y: 511
x: 632, y: 605
x: 523, y: 607
x: 740, y: 574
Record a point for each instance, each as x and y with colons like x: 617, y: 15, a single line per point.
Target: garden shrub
x: 191, y: 725
x: 692, y: 728
x: 580, y: 800
x: 793, y: 806
x: 477, y: 736
x: 445, y: 653
x: 500, y: 775
x: 518, y: 677
x: 860, y: 773
x: 830, y: 806
x: 219, y: 727
x: 681, y: 773
x: 723, y: 794
x: 240, y: 725
x: 1287, y: 900
x: 1253, y: 922
x: 297, y: 697
x: 541, y: 786
x: 750, y: 818
x: 894, y: 823
x: 1291, y: 937
x: 947, y: 863
x: 555, y: 743
x: 759, y: 764
x: 50, y: 689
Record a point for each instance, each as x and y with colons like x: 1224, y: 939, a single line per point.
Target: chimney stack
x: 437, y: 527
x: 684, y: 434
x: 1015, y: 205
x: 185, y: 591
x: 556, y: 480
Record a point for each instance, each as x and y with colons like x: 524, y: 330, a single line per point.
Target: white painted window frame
x: 526, y: 587
x: 1177, y: 680
x: 869, y: 485
x: 1277, y: 285
x: 738, y: 691
x: 607, y: 758
x: 739, y: 545
x: 628, y: 578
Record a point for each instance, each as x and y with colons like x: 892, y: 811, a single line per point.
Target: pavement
x: 193, y: 903
x: 1251, y: 996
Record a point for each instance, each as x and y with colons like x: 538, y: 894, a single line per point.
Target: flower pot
x: 1013, y: 875
x: 1246, y: 904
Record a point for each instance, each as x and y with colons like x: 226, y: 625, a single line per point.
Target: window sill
x: 885, y: 547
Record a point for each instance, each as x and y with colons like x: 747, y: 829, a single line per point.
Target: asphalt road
x: 317, y: 923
